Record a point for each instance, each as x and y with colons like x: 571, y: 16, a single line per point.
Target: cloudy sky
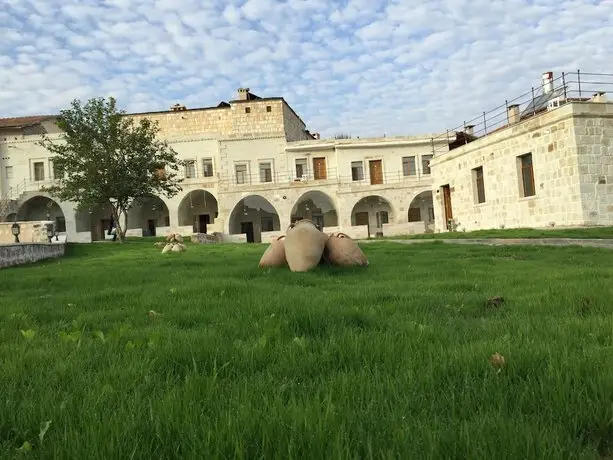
x: 357, y: 66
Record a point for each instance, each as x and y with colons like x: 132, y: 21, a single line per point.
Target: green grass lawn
x: 588, y: 232
x: 391, y: 361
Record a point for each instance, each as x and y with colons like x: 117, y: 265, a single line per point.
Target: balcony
x: 387, y: 178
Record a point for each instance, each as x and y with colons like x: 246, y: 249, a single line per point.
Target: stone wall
x: 30, y: 232
x: 25, y: 253
x: 593, y: 126
x: 552, y: 140
x: 191, y: 122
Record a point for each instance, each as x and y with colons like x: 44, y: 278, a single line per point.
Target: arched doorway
x: 148, y: 213
x: 254, y: 215
x: 199, y: 208
x: 96, y: 220
x: 421, y: 209
x: 373, y: 211
x: 42, y: 208
x: 317, y: 207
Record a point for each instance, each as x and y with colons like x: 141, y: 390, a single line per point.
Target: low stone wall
x: 407, y: 228
x: 26, y: 253
x: 29, y: 232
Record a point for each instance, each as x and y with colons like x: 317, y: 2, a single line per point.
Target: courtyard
x: 118, y: 351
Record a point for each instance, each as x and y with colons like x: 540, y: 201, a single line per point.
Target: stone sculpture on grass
x: 305, y: 246
x: 175, y: 243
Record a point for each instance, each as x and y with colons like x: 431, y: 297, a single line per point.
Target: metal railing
x: 568, y: 87
x: 8, y: 201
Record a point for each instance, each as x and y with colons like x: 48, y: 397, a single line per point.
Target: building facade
x: 548, y: 165
x: 251, y: 168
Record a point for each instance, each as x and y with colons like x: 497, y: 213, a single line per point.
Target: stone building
x: 252, y: 167
x: 549, y: 163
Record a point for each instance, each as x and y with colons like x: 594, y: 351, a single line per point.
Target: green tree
x: 105, y: 157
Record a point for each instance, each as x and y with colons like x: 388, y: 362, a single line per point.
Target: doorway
x: 376, y: 172
x: 361, y: 218
x: 247, y: 228
x: 447, y: 204
x: 151, y: 227
x: 200, y: 223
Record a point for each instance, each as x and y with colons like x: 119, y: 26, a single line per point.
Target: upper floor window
x: 408, y: 166
x: 266, y: 172
x: 241, y: 173
x: 39, y: 171
x: 190, y: 169
x: 207, y: 167
x: 357, y: 170
x: 425, y: 164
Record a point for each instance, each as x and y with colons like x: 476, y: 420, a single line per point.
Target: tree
x: 105, y: 157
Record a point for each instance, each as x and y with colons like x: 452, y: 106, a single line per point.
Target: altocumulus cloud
x: 359, y: 66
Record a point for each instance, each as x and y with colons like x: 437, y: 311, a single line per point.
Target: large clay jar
x: 304, y: 246
x: 343, y: 251
x: 274, y: 256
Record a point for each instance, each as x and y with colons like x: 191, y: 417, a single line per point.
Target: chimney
x: 243, y: 94
x: 316, y: 136
x: 178, y: 108
x: 513, y: 114
x: 469, y: 129
x: 599, y: 97
x: 547, y: 82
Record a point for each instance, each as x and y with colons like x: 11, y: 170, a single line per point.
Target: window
x: 301, y: 167
x: 241, y: 174
x: 57, y: 171
x: 384, y: 217
x: 60, y: 224
x: 247, y: 109
x: 527, y: 175
x: 266, y: 172
x: 268, y: 108
x: 8, y: 172
x: 39, y: 171
x: 425, y: 164
x: 357, y: 170
x: 207, y: 167
x: 267, y: 224
x: 190, y: 169
x: 479, y: 186
x: 408, y: 166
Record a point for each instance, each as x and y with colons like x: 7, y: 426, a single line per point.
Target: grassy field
x: 590, y: 233
x: 117, y: 351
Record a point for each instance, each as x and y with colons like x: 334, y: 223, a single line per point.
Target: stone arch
x: 421, y: 208
x: 150, y: 215
x: 198, y: 209
x: 42, y: 207
x: 316, y: 206
x: 373, y: 211
x: 253, y: 215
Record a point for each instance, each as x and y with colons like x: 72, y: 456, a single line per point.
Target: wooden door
x: 447, y: 203
x: 319, y: 168
x: 376, y: 172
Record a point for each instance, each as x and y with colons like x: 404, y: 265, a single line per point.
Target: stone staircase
x: 9, y: 203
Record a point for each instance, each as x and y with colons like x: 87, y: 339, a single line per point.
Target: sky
x: 365, y: 68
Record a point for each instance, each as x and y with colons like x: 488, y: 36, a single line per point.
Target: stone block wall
x: 25, y: 253
x: 191, y: 122
x: 30, y: 232
x: 593, y: 126
x: 550, y: 138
